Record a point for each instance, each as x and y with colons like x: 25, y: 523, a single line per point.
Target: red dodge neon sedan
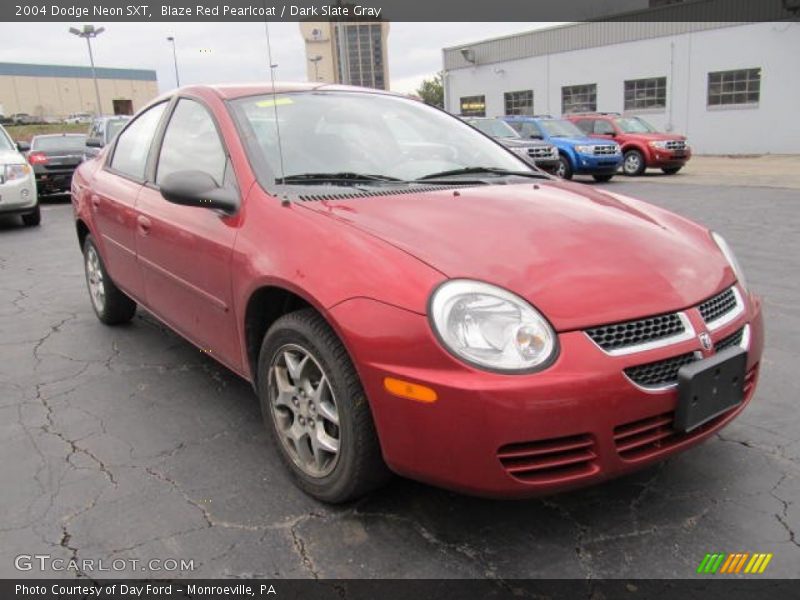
x: 408, y: 296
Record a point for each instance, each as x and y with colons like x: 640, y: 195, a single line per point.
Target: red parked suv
x: 643, y: 146
x: 405, y: 294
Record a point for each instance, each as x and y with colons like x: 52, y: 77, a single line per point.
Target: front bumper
x: 18, y: 195
x: 547, y: 164
x: 586, y: 164
x: 664, y: 159
x: 577, y: 419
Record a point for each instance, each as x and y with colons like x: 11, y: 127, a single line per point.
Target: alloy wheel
x: 632, y: 163
x: 304, y: 408
x: 94, y: 278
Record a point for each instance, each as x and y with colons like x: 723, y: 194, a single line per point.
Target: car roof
x: 56, y: 135
x: 229, y: 91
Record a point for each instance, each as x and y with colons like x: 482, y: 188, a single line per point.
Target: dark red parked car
x: 407, y: 295
x: 643, y: 146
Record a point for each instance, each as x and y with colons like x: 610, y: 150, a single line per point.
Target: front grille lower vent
x: 555, y: 459
x: 718, y: 306
x: 660, y: 373
x: 733, y: 339
x: 634, y: 333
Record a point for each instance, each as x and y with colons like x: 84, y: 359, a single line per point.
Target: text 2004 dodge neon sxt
x: 407, y: 295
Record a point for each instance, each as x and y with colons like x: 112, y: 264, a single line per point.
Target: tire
x: 33, y: 219
x: 564, y: 169
x: 110, y: 304
x: 603, y: 178
x: 633, y: 163
x: 293, y: 414
x: 671, y: 170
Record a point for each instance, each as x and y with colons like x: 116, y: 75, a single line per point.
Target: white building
x: 732, y: 88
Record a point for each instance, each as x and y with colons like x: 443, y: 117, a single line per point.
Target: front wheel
x: 671, y: 170
x: 33, y: 218
x: 564, y: 169
x: 313, y: 403
x: 602, y: 178
x: 110, y: 303
x: 633, y: 163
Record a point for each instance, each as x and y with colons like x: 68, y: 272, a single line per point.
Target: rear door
x: 185, y: 252
x: 113, y: 200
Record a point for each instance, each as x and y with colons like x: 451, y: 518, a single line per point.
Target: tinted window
x: 130, y: 154
x: 585, y: 125
x: 191, y: 143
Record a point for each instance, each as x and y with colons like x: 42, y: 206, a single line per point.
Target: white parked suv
x: 17, y: 183
x: 78, y: 118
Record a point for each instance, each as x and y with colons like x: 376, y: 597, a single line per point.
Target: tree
x: 432, y: 91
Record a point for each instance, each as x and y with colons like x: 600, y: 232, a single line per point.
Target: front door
x: 185, y: 252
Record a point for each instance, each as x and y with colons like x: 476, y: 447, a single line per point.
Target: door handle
x: 95, y: 201
x: 144, y: 225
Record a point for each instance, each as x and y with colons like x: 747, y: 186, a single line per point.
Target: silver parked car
x: 17, y: 183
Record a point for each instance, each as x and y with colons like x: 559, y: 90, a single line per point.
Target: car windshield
x: 114, y: 127
x: 494, y: 127
x: 635, y: 125
x: 356, y: 133
x: 561, y: 128
x: 59, y: 142
x: 526, y: 129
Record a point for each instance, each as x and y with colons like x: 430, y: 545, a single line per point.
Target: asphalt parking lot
x: 130, y: 443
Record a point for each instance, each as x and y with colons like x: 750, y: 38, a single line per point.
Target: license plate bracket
x: 709, y: 387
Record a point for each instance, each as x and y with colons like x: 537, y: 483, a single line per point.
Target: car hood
x: 647, y: 137
x: 521, y: 143
x: 582, y: 257
x: 10, y: 157
x: 584, y: 141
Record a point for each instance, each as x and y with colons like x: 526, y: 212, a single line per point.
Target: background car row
x: 46, y: 163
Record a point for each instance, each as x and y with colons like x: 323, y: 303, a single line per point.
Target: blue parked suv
x: 579, y: 155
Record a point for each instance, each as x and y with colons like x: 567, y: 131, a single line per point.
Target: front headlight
x: 660, y: 144
x: 584, y: 149
x: 731, y: 258
x: 12, y: 172
x: 490, y: 327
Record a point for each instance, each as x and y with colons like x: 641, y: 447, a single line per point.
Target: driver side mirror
x: 23, y: 146
x: 197, y: 188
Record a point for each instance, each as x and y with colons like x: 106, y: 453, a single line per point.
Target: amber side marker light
x: 412, y: 391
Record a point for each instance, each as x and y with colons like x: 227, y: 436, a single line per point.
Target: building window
x: 473, y: 106
x: 519, y: 103
x: 643, y: 94
x: 742, y: 86
x: 579, y: 98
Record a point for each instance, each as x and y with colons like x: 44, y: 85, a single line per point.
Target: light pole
x: 171, y: 39
x: 315, y: 61
x: 88, y: 32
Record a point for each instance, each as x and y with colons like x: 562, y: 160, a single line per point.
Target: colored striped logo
x: 739, y: 562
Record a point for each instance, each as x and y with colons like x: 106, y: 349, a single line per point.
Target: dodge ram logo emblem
x: 705, y: 341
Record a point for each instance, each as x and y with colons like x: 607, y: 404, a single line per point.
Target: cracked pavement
x: 128, y: 442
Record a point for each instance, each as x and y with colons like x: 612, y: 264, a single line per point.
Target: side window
x: 585, y: 125
x: 603, y: 127
x: 133, y: 146
x: 191, y: 142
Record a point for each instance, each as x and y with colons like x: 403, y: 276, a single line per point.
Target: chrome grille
x: 660, y: 373
x: 676, y: 145
x: 542, y: 152
x: 734, y: 339
x: 718, y: 306
x: 634, y: 333
x: 605, y: 149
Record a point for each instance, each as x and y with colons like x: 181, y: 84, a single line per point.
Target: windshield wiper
x: 343, y: 177
x: 488, y: 170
